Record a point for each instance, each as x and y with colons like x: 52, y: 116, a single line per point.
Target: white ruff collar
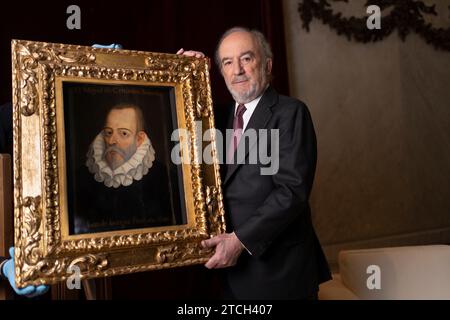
x: 135, y: 168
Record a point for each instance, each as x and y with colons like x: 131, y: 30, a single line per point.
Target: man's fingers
x: 210, y: 264
x: 213, y: 262
x: 210, y: 243
x: 217, y: 263
x: 218, y: 260
x: 191, y: 53
x: 226, y: 253
x: 199, y: 54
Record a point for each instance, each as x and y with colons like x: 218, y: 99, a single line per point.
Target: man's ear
x: 140, y: 137
x: 269, y: 66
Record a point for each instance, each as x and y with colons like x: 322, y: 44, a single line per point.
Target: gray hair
x: 264, y: 46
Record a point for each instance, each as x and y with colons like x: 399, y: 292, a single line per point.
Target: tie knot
x: 240, y: 110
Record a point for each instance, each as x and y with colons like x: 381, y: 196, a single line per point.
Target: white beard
x: 133, y: 169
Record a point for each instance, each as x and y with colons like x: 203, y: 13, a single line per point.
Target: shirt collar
x: 250, y: 106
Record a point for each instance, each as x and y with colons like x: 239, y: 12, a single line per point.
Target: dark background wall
x: 382, y: 118
x: 159, y: 26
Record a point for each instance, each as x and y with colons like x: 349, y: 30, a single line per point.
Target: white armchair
x: 413, y: 272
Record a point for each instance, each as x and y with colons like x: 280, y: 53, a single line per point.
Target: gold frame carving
x: 44, y: 251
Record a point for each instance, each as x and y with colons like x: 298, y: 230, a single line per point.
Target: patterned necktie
x: 238, y: 125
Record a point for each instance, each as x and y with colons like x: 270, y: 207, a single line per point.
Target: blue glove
x: 111, y: 46
x: 30, y: 291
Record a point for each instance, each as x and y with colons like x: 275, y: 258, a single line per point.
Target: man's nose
x: 237, y: 68
x: 112, y: 139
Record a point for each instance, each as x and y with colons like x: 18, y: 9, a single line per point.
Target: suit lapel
x: 258, y: 120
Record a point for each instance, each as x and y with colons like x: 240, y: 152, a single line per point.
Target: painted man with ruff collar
x: 121, y: 184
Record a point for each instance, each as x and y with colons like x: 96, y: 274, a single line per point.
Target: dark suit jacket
x: 270, y: 214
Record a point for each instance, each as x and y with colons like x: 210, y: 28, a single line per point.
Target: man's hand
x: 191, y: 53
x: 8, y: 271
x: 188, y: 53
x: 228, y: 249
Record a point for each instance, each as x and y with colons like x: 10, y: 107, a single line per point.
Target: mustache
x: 115, y: 149
x: 239, y: 79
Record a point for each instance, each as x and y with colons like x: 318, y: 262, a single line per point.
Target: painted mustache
x: 115, y: 149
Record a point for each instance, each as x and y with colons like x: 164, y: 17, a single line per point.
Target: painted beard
x: 115, y: 156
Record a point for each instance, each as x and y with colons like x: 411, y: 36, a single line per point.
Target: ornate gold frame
x: 44, y: 251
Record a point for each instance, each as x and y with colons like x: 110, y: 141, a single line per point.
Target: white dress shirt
x: 250, y: 107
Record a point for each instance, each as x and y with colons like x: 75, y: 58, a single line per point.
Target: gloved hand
x: 111, y: 46
x: 8, y: 271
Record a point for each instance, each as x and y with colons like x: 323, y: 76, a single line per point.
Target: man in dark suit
x: 271, y: 250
